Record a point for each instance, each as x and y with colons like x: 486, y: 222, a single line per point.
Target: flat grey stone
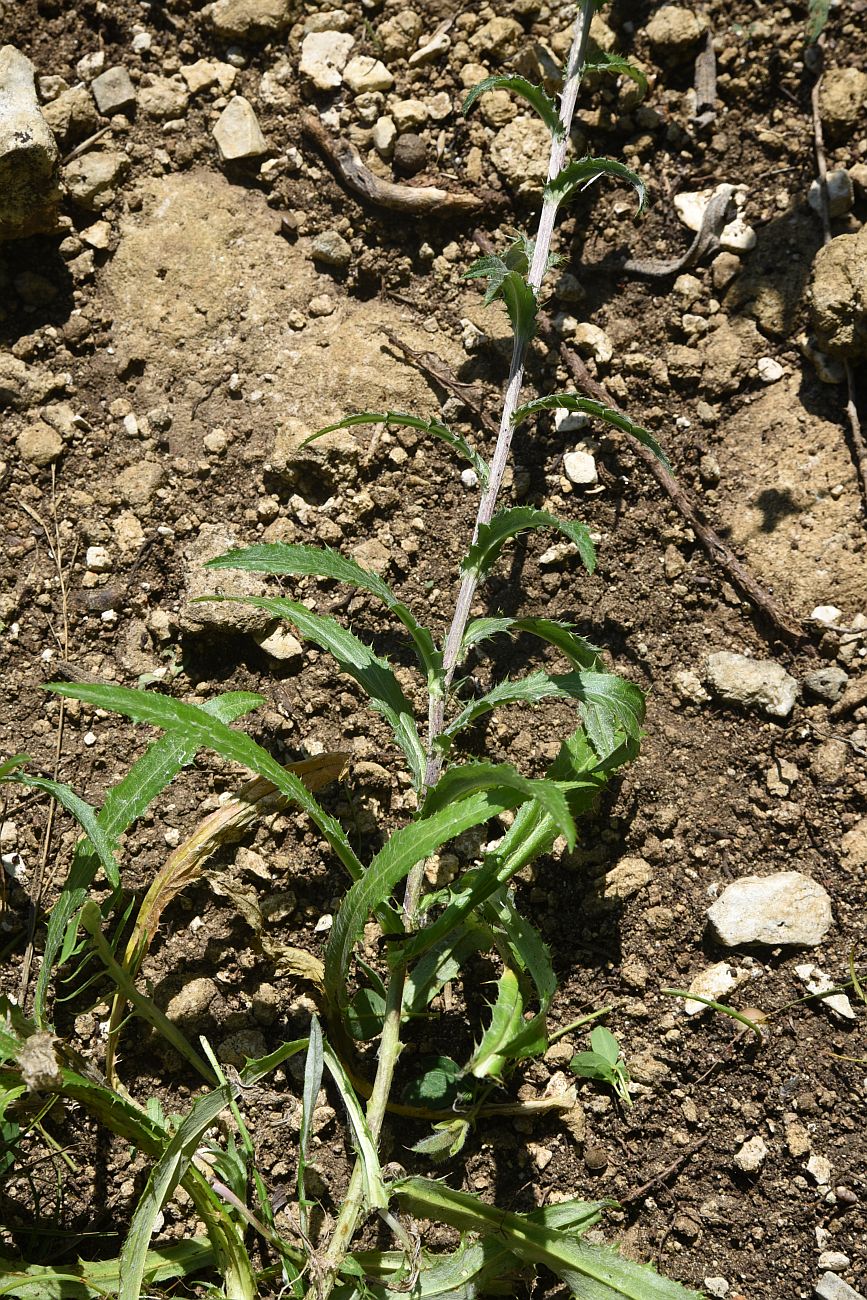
x: 754, y: 683
x: 832, y: 1287
x: 29, y: 157
x: 787, y: 908
x: 826, y: 683
x: 113, y: 91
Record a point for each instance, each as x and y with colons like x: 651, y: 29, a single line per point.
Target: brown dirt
x: 196, y: 286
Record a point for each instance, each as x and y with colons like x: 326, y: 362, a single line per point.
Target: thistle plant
x: 428, y: 935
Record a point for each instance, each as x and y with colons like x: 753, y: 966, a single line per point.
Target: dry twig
x: 345, y: 162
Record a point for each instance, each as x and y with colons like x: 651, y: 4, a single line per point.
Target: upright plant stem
x: 390, y: 1046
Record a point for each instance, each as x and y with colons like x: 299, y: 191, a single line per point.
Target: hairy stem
x: 390, y: 1045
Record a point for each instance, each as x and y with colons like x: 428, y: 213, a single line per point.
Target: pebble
x: 137, y: 483
x: 592, y: 341
x: 827, y: 683
x: 324, y: 56
x: 282, y: 645
x: 165, y: 98
x: 114, y: 92
x: 786, y: 908
x: 816, y: 981
x: 751, y: 1156
x: 205, y: 73
x: 832, y: 1287
x: 398, y: 36
x: 363, y: 74
x: 383, y: 136
x: 237, y: 132
x: 826, y: 614
x: 438, y: 44
x: 90, y: 65
x: 755, y: 683
x: 322, y: 305
x: 714, y: 982
x: 38, y: 444
x: 97, y: 559
x: 250, y: 20
x: 770, y: 370
x: 92, y: 179
x: 854, y: 845
x: 840, y: 191
x: 409, y: 113
x: 674, y: 32
x: 72, y: 116
x: 97, y: 236
x: 331, y: 248
x: 213, y: 540
x: 838, y: 295
x: 580, y: 468
x: 519, y: 151
x: 30, y: 193
x: 469, y: 478
x: 834, y: 1260
x: 192, y: 1005
x: 718, y: 1287
x: 819, y: 1169
x: 410, y: 154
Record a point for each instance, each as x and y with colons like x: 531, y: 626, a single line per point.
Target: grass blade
x: 124, y: 804
x: 322, y: 562
x: 375, y: 1194
x: 164, y: 1179
x: 312, y: 1083
x: 95, y: 1278
x: 195, y: 724
x: 356, y: 659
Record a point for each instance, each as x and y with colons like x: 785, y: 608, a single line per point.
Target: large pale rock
x: 787, y: 908
x: 250, y: 20
x: 29, y: 174
x: 839, y: 295
x: 754, y: 683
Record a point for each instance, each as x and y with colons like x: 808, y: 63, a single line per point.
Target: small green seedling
x: 604, y: 1063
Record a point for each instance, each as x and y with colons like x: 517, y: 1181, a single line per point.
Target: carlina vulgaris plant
x: 428, y: 935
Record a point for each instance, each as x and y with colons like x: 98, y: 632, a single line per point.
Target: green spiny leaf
x: 521, y: 519
x: 198, y: 727
x: 357, y: 660
x: 322, y: 562
x: 398, y: 419
x: 580, y: 173
x: 535, y: 96
x: 491, y: 1054
x: 586, y: 405
x: 468, y: 778
x: 618, y: 67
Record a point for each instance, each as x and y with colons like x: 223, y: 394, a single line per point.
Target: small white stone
x: 784, y: 908
x: 816, y: 981
x: 580, y: 468
x: 769, y: 370
x: 717, y: 1286
x: 90, y: 65
x: 324, y: 56
x: 754, y: 683
x: 751, y: 1156
x: 714, y: 982
x: 469, y: 478
x: 826, y: 614
x: 556, y: 554
x: 383, y: 136
x: 97, y: 559
x: 324, y: 923
x: 590, y: 339
x: 819, y: 1169
x: 737, y: 237
x: 89, y: 739
x: 438, y: 44
x: 237, y: 132
x: 141, y: 42
x: 570, y: 421
x: 834, y: 1260
x: 363, y: 74
x: 130, y: 425
x: 409, y: 114
x: 841, y: 193
x: 97, y: 235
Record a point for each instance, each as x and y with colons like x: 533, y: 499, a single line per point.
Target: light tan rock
x: 29, y: 158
